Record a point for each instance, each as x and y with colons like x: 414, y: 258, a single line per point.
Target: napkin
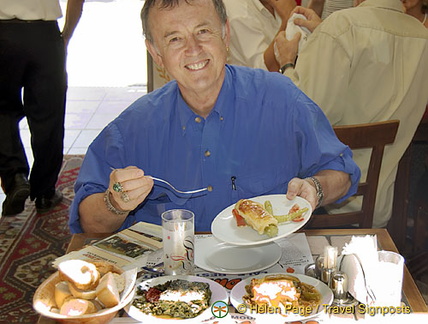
x: 359, y: 261
x: 292, y: 29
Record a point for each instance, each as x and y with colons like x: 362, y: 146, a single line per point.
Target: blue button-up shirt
x: 262, y: 132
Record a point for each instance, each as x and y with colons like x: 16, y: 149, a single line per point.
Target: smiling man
x: 237, y: 131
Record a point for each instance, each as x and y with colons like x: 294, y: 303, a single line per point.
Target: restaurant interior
x: 106, y: 78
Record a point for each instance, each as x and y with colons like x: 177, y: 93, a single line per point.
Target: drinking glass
x: 178, y: 231
x: 389, y: 281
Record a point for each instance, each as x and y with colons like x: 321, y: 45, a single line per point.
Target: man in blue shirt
x: 240, y: 132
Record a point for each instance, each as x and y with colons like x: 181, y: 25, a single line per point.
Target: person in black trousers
x: 33, y: 84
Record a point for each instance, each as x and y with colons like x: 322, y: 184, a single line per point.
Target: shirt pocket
x: 258, y: 184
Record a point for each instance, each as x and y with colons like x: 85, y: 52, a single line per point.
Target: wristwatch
x: 285, y: 67
x: 318, y: 188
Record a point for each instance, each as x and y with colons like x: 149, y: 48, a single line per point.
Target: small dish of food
x: 261, y: 219
x: 184, y: 298
x: 281, y: 297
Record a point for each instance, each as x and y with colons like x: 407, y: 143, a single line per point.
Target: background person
x: 253, y: 27
x: 360, y: 65
x: 33, y: 85
x: 417, y: 9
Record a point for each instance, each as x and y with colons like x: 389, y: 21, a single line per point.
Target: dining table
x: 411, y: 296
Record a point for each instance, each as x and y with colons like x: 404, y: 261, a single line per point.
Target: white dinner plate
x: 225, y: 229
x: 220, y: 257
x: 239, y: 291
x: 218, y: 293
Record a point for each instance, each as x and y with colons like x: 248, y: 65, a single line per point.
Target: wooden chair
x: 156, y: 76
x: 362, y: 136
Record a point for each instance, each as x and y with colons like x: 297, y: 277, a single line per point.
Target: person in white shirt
x: 362, y: 65
x: 33, y: 83
x: 253, y: 27
x: 325, y: 8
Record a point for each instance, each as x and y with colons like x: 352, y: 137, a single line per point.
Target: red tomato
x: 298, y: 219
x: 240, y: 221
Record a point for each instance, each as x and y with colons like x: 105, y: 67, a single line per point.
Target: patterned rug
x: 28, y: 244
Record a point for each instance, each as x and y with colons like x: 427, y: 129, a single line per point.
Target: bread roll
x: 84, y: 275
x: 61, y: 293
x: 107, y: 292
x: 80, y: 293
x: 104, y: 267
x: 77, y: 307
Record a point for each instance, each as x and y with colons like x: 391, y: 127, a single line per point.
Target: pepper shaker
x: 339, y: 286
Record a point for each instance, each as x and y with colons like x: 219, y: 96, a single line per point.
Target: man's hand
x: 135, y: 187
x: 302, y: 188
x: 313, y: 20
x: 286, y: 50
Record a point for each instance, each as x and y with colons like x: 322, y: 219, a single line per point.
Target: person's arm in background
x: 286, y: 50
x: 323, y: 66
x: 283, y: 8
x: 317, y: 6
x: 72, y: 17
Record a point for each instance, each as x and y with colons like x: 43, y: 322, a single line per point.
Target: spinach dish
x: 174, y: 299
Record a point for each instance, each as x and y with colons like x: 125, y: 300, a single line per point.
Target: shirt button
x: 207, y: 153
x: 210, y: 188
x: 221, y: 118
x: 198, y: 119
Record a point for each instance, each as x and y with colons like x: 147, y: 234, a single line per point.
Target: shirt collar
x: 186, y: 114
x: 260, y: 7
x: 396, y: 5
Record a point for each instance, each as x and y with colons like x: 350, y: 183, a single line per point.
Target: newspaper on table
x: 129, y: 248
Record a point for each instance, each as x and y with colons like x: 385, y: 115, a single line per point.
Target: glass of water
x: 178, y: 231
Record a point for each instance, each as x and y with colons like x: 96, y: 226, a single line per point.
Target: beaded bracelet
x: 110, y: 206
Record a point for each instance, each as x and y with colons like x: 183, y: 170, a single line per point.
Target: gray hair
x: 148, y: 4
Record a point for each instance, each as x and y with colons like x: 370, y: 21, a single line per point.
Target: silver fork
x: 172, y: 187
x: 179, y: 191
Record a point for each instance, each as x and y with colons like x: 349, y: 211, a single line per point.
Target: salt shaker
x: 339, y: 286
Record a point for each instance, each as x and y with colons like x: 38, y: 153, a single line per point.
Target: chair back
x: 156, y: 75
x: 362, y: 136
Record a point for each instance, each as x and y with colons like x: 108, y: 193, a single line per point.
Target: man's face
x: 189, y: 41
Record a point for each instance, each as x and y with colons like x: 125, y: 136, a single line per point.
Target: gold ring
x: 124, y: 196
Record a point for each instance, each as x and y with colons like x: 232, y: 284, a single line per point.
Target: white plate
x: 219, y: 293
x: 225, y: 229
x: 220, y: 257
x: 239, y: 291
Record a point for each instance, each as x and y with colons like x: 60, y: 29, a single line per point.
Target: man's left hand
x: 302, y: 188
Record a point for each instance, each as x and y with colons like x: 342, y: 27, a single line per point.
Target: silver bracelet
x: 318, y: 188
x: 110, y: 206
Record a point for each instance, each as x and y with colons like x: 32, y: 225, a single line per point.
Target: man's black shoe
x: 16, y: 197
x: 45, y: 203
